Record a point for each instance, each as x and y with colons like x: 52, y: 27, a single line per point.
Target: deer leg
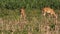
x: 44, y: 14
x: 55, y: 16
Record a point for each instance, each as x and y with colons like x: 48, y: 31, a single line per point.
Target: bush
x: 15, y: 4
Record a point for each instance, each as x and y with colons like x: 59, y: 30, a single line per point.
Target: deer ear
x: 20, y: 11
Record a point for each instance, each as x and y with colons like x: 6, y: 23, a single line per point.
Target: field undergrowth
x: 35, y: 23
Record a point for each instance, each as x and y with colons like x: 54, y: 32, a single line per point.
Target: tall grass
x: 35, y: 23
x: 16, y: 4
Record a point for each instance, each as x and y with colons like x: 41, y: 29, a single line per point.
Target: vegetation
x: 16, y: 4
x: 35, y: 23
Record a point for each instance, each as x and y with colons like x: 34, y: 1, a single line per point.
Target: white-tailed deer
x: 48, y: 10
x: 22, y: 11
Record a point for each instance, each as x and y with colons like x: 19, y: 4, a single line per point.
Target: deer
x: 49, y: 11
x: 22, y: 12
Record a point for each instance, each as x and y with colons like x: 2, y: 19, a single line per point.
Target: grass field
x: 35, y: 23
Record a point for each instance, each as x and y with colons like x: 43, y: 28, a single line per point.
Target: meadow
x: 35, y: 23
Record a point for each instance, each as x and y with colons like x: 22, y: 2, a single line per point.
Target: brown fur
x: 22, y: 11
x: 48, y: 10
